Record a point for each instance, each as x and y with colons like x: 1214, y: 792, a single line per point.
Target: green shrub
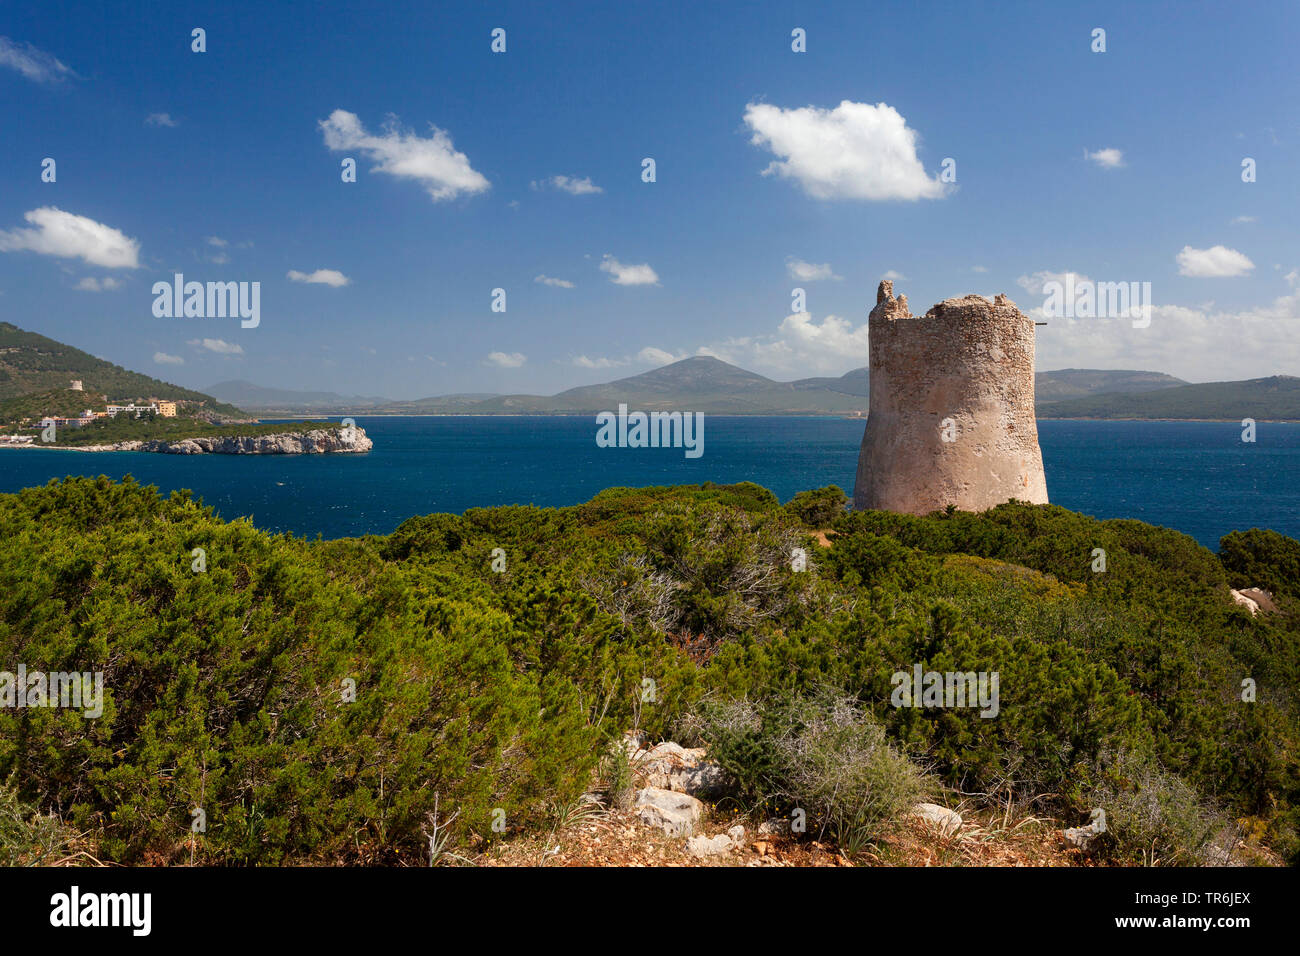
x: 821, y: 753
x: 818, y: 508
x: 1156, y: 819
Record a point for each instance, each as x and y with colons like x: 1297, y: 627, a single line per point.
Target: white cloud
x: 1243, y: 219
x: 330, y: 277
x: 506, y: 359
x: 1035, y: 282
x: 583, y: 362
x: 656, y: 356
x: 217, y: 241
x: 855, y: 151
x: 570, y: 184
x: 162, y: 358
x: 91, y: 284
x: 558, y: 283
x: 809, y: 272
x: 1215, y: 262
x: 1195, y: 343
x: 159, y: 119
x: 433, y: 162
x: 36, y: 65
x: 219, y: 346
x: 799, y: 347
x: 980, y: 269
x: 894, y: 276
x: 628, y: 274
x: 70, y: 236
x: 1106, y: 158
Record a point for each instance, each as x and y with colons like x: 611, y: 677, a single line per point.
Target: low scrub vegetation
x: 343, y: 701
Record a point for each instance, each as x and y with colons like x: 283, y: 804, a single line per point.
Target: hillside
x: 247, y: 395
x: 31, y: 363
x: 480, y: 690
x: 700, y: 383
x: 1079, y: 382
x: 1275, y: 398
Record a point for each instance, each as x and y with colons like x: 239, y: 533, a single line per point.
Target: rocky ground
x: 670, y: 822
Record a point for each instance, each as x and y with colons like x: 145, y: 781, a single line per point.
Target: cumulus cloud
x: 855, y: 151
x: 1035, y: 282
x: 1196, y: 343
x: 583, y: 361
x: 159, y: 119
x: 330, y: 277
x: 218, y: 346
x: 1215, y: 263
x: 656, y: 356
x: 37, y: 65
x: 91, y: 284
x: 162, y: 358
x: 894, y: 276
x: 799, y: 346
x: 570, y: 184
x: 69, y: 236
x: 558, y: 283
x: 621, y: 274
x: 1106, y: 158
x: 434, y: 162
x: 809, y: 272
x: 506, y: 359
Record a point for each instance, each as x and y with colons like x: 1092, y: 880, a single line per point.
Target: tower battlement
x: 951, y: 419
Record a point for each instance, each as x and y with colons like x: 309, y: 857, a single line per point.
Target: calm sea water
x: 1197, y: 477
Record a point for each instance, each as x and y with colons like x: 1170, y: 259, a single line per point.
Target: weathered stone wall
x: 968, y: 360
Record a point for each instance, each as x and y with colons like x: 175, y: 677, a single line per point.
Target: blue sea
x: 1197, y: 477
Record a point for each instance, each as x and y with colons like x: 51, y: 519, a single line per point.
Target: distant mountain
x: 706, y: 384
x: 697, y: 384
x: 31, y: 364
x: 1275, y: 398
x: 1079, y: 382
x: 247, y: 395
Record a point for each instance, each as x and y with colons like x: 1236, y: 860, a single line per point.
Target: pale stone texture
x: 969, y: 360
x: 946, y: 821
x: 674, y: 813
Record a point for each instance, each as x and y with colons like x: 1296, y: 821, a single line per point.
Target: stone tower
x: 951, y: 420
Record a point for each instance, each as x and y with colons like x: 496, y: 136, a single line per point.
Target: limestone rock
x: 314, y: 442
x: 951, y: 418
x: 670, y: 766
x: 675, y: 813
x: 946, y: 821
x: 709, y: 846
x: 1083, y: 836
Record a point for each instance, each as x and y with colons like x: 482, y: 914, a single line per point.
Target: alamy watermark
x: 179, y: 299
x: 66, y: 689
x: 1084, y: 299
x: 946, y: 689
x: 652, y: 430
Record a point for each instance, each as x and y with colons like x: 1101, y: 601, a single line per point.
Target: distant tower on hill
x: 951, y: 420
x: 76, y: 385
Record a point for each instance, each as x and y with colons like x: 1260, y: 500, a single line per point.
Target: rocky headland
x: 315, y: 442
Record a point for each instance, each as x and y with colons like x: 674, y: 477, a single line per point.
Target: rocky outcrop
x: 676, y: 814
x: 1254, y: 600
x: 670, y: 766
x: 951, y: 418
x: 733, y: 839
x: 1084, y: 835
x: 946, y: 821
x: 315, y: 442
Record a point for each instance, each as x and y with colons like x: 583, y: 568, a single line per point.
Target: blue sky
x: 1116, y: 166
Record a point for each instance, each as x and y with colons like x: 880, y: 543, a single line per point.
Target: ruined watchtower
x: 951, y: 420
